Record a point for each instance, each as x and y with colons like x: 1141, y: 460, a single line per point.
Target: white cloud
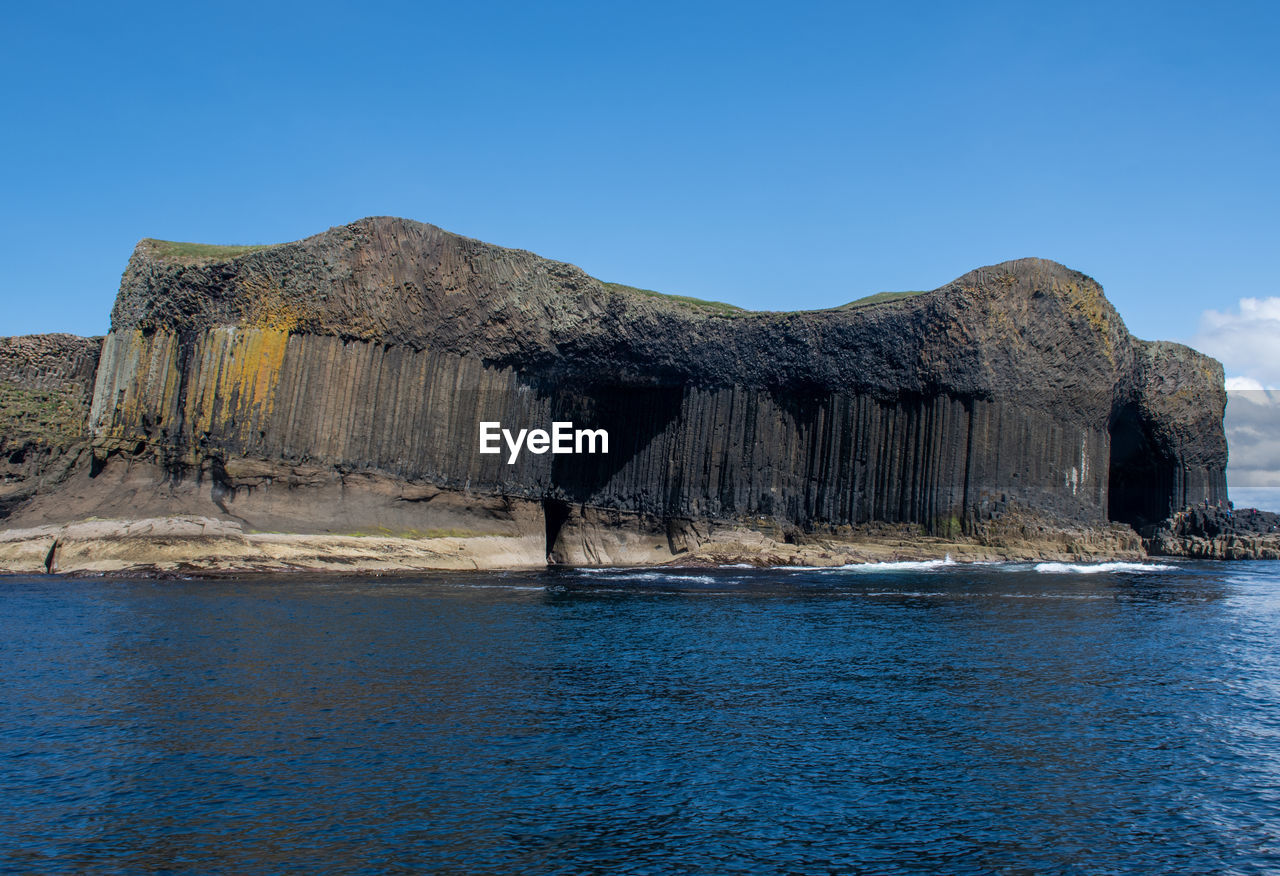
x: 1246, y: 340
x: 1252, y: 425
x: 1244, y: 384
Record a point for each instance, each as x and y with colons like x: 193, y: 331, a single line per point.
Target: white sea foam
x: 665, y: 578
x: 908, y: 594
x: 1095, y: 568
x: 899, y: 566
x: 473, y: 586
x: 966, y: 595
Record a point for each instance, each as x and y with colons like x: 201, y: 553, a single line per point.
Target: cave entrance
x: 555, y: 514
x: 1141, y: 481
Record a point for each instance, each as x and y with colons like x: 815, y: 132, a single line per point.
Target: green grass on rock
x: 719, y: 307
x: 194, y: 253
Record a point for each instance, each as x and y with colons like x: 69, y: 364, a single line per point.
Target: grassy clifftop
x: 701, y: 304
x: 878, y: 298
x: 199, y: 253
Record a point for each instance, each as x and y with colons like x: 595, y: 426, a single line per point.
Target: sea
x: 894, y: 718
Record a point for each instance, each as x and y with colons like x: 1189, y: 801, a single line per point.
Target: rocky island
x: 318, y: 405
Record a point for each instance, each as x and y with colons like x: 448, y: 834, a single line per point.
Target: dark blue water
x: 953, y: 719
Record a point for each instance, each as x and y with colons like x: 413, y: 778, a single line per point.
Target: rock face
x: 1216, y: 533
x: 46, y: 382
x: 337, y: 384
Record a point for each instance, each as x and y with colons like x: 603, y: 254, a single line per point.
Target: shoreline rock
x: 1217, y: 533
x: 182, y: 545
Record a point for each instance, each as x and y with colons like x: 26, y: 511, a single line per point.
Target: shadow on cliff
x: 633, y: 416
x: 1142, y: 486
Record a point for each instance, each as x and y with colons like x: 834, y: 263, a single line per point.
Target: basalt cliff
x: 317, y: 404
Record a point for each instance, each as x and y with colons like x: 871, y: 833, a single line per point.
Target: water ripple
x: 959, y: 719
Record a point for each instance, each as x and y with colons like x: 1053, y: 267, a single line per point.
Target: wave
x: 662, y: 577
x: 895, y: 566
x: 471, y: 585
x: 1095, y: 568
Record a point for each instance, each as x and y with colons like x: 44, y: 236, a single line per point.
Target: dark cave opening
x: 1141, y: 482
x: 555, y: 514
x: 633, y: 416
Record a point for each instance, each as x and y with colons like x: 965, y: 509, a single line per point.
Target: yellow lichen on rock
x: 139, y: 377
x: 1089, y: 301
x: 236, y: 378
x: 268, y: 307
x: 224, y: 383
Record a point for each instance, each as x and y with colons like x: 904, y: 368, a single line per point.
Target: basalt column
x: 372, y: 352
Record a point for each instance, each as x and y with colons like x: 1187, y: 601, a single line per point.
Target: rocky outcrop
x: 46, y: 382
x: 1213, y: 532
x: 1168, y: 447
x: 336, y: 385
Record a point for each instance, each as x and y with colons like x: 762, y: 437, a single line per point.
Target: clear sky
x: 772, y: 155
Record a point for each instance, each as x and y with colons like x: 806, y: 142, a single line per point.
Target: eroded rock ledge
x: 333, y: 387
x: 1217, y: 533
x: 186, y: 545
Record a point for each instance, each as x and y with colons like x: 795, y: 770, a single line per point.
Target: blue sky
x: 771, y: 155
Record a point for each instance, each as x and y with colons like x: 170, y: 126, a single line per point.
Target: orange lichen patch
x: 152, y: 385
x: 237, y: 372
x: 268, y: 306
x: 1090, y: 302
